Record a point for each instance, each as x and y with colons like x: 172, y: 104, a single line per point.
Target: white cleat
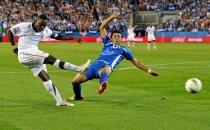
x: 64, y: 103
x: 85, y: 66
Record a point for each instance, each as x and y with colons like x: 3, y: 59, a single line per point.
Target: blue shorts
x: 94, y: 68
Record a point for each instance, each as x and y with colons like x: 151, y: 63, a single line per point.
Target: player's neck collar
x: 33, y: 26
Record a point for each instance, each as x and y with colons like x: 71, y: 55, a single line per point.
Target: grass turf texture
x: 134, y: 99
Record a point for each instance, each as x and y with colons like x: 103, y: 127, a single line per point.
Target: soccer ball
x: 193, y: 85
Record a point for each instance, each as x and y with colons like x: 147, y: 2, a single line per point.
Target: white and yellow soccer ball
x: 193, y: 85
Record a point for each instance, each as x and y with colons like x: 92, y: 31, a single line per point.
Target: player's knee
x: 75, y: 82
x: 44, y: 76
x: 50, y: 60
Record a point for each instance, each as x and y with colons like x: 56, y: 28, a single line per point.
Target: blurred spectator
x: 85, y: 15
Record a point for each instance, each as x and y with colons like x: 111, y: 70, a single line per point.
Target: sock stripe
x: 61, y: 64
x: 54, y: 89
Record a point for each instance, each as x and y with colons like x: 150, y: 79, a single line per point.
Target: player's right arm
x: 106, y: 23
x: 12, y: 41
x: 16, y: 30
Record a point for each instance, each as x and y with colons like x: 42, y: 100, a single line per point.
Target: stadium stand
x: 85, y: 15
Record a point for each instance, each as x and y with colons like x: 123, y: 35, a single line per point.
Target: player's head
x: 116, y: 36
x: 41, y: 22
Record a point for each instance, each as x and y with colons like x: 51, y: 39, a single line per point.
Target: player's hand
x: 15, y: 50
x: 115, y: 14
x: 153, y: 73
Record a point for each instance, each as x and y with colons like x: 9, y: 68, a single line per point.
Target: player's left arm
x: 135, y: 26
x: 141, y: 66
x: 129, y: 56
x: 64, y: 37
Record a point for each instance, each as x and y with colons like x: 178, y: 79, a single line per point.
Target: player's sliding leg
x: 65, y: 65
x: 104, y: 75
x: 154, y: 44
x: 76, y: 83
x: 51, y: 88
x: 103, y: 82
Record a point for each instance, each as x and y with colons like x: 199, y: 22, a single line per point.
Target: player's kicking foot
x: 64, y: 103
x: 85, y: 66
x: 102, y: 87
x: 74, y: 98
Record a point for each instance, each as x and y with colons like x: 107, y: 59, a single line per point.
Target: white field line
x: 180, y: 63
x: 161, y: 66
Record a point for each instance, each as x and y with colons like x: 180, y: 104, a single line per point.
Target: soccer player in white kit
x: 150, y: 33
x: 30, y: 33
x: 131, y: 35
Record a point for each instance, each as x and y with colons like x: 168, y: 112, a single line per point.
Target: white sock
x: 128, y: 44
x: 154, y: 44
x: 52, y: 90
x: 148, y: 45
x: 67, y: 66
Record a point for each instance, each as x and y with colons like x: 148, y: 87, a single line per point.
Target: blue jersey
x: 113, y: 54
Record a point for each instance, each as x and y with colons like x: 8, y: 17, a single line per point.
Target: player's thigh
x: 106, y: 69
x: 32, y: 57
x: 79, y: 78
x: 37, y: 69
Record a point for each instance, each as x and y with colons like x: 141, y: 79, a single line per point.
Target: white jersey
x: 151, y: 33
x: 28, y: 38
x: 150, y: 30
x: 130, y: 32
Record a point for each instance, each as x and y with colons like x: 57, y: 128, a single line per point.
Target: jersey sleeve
x: 47, y: 33
x: 19, y: 29
x: 127, y: 53
x: 106, y: 40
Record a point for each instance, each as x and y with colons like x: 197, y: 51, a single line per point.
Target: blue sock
x: 77, y: 90
x: 104, y: 77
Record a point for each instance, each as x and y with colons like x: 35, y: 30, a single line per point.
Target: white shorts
x: 130, y: 37
x: 33, y: 59
x: 151, y: 38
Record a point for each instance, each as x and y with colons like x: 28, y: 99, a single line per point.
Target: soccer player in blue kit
x: 112, y: 54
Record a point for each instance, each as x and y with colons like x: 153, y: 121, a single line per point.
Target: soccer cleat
x: 73, y: 98
x: 64, y: 103
x: 102, y: 87
x: 85, y: 66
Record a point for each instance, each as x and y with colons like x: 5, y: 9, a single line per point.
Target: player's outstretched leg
x: 76, y: 83
x: 51, y: 88
x: 65, y: 65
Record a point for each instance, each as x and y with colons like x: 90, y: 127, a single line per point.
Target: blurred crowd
x: 162, y: 5
x: 85, y: 15
x: 66, y: 15
x: 194, y: 17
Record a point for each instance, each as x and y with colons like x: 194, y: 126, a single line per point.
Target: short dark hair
x: 43, y: 16
x: 115, y: 31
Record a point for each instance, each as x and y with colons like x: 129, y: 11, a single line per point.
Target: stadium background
x: 176, y: 20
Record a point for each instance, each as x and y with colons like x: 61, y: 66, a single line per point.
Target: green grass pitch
x: 134, y: 100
